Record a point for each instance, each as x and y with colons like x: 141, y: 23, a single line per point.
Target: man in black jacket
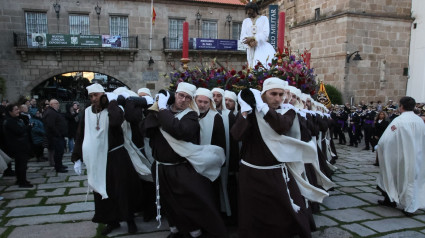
x: 17, y: 144
x: 56, y: 130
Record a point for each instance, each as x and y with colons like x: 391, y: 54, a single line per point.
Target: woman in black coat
x: 17, y: 144
x: 379, y: 127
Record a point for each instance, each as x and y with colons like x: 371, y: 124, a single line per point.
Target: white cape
x: 401, y: 162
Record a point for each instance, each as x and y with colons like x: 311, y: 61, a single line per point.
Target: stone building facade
x: 378, y: 29
x: 23, y: 68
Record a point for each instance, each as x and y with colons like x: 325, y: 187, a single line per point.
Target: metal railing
x: 175, y: 43
x: 25, y: 40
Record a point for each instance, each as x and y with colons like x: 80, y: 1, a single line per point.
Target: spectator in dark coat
x: 56, y: 130
x: 17, y: 144
x: 8, y: 171
x: 37, y: 136
x: 381, y: 123
x: 73, y: 118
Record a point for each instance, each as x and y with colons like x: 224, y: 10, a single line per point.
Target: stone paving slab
x: 2, y: 230
x: 80, y: 229
x: 323, y: 221
x: 352, y: 171
x: 28, y: 211
x: 342, y: 201
x: 24, y: 202
x: 393, y: 224
x: 351, y: 183
x: 356, y: 177
x: 14, y: 195
x: 369, y: 197
x: 57, y: 179
x: 349, y: 190
x: 404, y: 234
x: 385, y: 211
x: 81, y: 190
x: 78, y: 178
x: 79, y: 207
x: 56, y: 192
x: 69, y: 199
x: 58, y: 185
x: 350, y: 215
x: 368, y: 189
x: 332, y: 232
x: 141, y: 226
x: 335, y: 178
x: 359, y: 229
x: 161, y: 234
x: 56, y: 218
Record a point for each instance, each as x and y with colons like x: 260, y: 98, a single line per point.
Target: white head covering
x: 223, y: 101
x: 120, y: 90
x: 292, y: 89
x: 207, y: 93
x: 144, y: 90
x: 231, y: 95
x: 304, y: 97
x: 186, y: 88
x: 95, y: 88
x: 272, y: 83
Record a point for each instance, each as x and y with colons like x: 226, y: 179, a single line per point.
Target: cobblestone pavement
x: 56, y: 206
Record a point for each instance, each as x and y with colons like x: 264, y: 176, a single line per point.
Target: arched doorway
x: 71, y: 86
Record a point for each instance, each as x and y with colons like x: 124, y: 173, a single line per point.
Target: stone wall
x: 22, y: 76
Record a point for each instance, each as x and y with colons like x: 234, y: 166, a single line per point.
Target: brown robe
x: 264, y: 205
x: 122, y: 181
x: 186, y: 196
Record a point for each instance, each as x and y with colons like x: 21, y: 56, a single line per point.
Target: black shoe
x: 356, y: 145
x: 376, y: 164
x: 132, y: 228
x: 350, y: 145
x: 387, y: 203
x: 109, y: 228
x: 366, y: 148
x: 408, y: 214
x: 175, y: 235
x: 62, y: 171
x: 9, y: 173
x: 64, y: 167
x: 26, y: 185
x: 333, y: 161
x: 373, y: 149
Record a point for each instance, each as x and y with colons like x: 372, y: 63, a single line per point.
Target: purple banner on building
x: 215, y: 44
x: 227, y: 45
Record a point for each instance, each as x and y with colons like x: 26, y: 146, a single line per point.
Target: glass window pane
x: 79, y: 24
x: 36, y: 22
x: 175, y: 33
x: 236, y: 30
x: 209, y: 29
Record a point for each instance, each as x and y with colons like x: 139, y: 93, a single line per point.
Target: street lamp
x: 356, y: 57
x: 98, y: 9
x: 57, y: 8
x: 198, y: 19
x: 229, y: 21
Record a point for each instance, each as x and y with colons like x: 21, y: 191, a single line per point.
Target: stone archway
x: 51, y: 73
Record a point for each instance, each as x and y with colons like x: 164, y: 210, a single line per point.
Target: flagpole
x: 150, y: 37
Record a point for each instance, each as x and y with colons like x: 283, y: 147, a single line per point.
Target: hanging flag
x: 153, y: 16
x: 322, y: 95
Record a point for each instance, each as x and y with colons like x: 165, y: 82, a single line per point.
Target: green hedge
x: 334, y: 94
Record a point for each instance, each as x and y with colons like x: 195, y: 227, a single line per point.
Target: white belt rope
x: 157, y: 202
x: 285, y: 174
x: 116, y: 148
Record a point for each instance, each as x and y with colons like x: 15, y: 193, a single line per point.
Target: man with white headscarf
x: 183, y: 169
x: 265, y: 165
x: 231, y: 100
x: 111, y: 175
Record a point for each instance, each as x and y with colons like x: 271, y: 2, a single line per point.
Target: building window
x: 236, y: 30
x: 175, y: 33
x: 119, y: 26
x: 209, y: 29
x: 36, y: 22
x: 79, y: 25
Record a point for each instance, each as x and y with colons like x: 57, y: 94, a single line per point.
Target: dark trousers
x: 340, y: 132
x: 353, y: 132
x: 367, y: 134
x: 59, y: 147
x: 21, y: 170
x: 38, y: 150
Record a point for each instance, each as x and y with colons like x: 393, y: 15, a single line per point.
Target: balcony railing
x: 24, y: 40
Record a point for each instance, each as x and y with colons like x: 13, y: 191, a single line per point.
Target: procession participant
x: 231, y: 100
x: 255, y: 34
x: 354, y: 124
x: 265, y: 167
x: 381, y: 123
x: 368, y: 118
x: 144, y: 92
x: 183, y: 169
x: 110, y: 172
x: 220, y: 104
x: 401, y: 160
x: 341, y: 119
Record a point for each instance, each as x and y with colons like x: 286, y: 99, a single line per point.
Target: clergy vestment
x: 402, y: 161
